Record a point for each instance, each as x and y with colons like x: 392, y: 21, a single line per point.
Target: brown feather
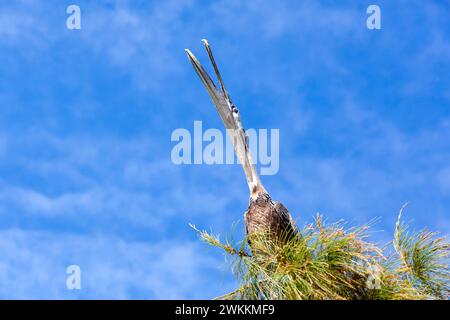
x: 264, y: 214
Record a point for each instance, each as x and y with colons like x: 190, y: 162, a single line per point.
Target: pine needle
x: 330, y: 262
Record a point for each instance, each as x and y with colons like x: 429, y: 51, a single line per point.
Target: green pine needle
x: 330, y: 262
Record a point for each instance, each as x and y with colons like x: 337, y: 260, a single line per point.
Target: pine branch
x: 331, y: 262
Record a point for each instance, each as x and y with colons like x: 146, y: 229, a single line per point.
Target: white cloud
x: 33, y: 266
x: 100, y: 181
x: 106, y: 180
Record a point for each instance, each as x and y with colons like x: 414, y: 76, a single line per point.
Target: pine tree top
x: 331, y: 262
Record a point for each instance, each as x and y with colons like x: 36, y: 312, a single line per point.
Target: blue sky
x: 86, y: 119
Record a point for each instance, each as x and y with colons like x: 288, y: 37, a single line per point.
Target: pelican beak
x: 230, y: 118
x: 220, y: 99
x: 204, y: 76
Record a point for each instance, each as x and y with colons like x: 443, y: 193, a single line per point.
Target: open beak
x: 231, y: 119
x: 221, y: 100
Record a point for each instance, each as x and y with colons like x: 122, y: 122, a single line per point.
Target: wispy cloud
x: 102, y: 181
x: 85, y: 171
x: 34, y: 266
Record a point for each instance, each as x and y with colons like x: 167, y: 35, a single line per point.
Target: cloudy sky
x: 86, y: 118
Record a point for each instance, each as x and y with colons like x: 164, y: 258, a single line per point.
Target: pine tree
x: 331, y: 262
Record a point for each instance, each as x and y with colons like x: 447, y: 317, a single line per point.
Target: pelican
x: 263, y: 214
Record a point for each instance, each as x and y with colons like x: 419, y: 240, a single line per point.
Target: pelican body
x: 263, y: 214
